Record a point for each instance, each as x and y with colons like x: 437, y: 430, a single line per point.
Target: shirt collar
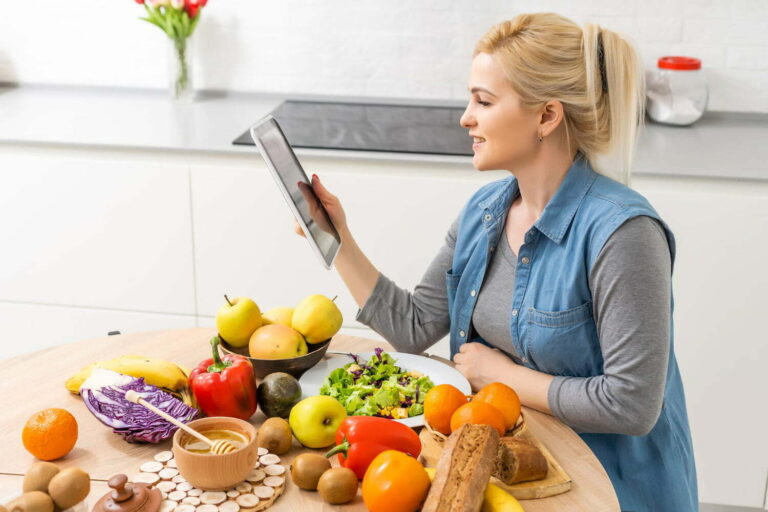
x: 559, y: 212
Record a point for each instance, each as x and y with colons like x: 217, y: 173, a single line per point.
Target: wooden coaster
x: 222, y: 501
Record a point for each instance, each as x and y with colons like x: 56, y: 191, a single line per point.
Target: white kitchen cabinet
x: 95, y: 229
x: 721, y: 228
x: 26, y: 328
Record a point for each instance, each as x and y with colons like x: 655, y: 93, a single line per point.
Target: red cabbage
x: 104, y: 395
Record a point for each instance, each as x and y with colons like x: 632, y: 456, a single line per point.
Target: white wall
x: 396, y: 48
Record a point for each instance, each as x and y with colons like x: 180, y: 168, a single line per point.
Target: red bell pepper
x: 224, y: 386
x: 360, y: 439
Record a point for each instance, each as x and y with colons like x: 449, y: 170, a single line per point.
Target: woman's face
x: 505, y: 134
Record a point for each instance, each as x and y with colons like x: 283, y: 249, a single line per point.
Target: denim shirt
x: 552, y: 324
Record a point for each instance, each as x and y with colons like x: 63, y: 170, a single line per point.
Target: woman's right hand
x: 331, y: 204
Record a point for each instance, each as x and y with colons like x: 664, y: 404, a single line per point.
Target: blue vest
x: 552, y: 326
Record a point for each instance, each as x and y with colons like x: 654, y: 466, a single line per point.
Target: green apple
x: 276, y: 341
x: 315, y: 420
x: 317, y: 318
x: 237, y: 319
x: 281, y: 315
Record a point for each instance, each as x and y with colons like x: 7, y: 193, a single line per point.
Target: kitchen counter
x: 721, y: 145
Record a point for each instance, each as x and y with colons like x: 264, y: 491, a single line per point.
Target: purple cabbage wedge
x: 104, y: 395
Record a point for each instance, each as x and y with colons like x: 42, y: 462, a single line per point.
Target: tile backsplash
x: 397, y: 48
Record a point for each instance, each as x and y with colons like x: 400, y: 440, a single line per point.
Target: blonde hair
x: 546, y: 56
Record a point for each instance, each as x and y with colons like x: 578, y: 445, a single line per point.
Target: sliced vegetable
x: 104, y: 395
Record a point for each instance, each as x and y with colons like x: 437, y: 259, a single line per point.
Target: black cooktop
x: 367, y: 127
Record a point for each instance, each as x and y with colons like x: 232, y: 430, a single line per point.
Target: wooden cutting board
x: 556, y: 482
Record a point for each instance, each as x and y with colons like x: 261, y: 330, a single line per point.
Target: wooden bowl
x: 216, y: 472
x: 441, y: 438
x: 295, y: 366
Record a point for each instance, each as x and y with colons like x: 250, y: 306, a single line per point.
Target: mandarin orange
x: 478, y: 413
x: 50, y: 434
x: 504, y: 398
x: 439, y: 404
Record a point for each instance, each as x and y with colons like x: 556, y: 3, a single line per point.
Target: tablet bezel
x: 261, y: 128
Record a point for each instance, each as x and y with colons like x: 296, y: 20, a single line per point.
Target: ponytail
x: 614, y: 75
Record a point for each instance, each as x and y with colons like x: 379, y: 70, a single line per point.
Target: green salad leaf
x: 378, y: 387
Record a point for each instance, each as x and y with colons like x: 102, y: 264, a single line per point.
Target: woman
x: 556, y: 280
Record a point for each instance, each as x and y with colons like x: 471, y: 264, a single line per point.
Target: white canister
x: 676, y: 91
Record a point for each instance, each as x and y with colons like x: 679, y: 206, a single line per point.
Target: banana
x: 495, y: 498
x: 157, y: 372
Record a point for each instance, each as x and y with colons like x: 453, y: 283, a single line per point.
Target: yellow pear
x: 317, y: 318
x: 281, y: 315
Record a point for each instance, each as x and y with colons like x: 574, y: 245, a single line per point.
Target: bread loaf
x: 519, y: 461
x: 463, y: 470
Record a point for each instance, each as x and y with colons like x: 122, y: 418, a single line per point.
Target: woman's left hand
x: 482, y: 365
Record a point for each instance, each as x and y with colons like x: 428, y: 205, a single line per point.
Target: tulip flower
x: 178, y: 19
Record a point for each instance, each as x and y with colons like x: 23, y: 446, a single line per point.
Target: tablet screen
x: 287, y: 169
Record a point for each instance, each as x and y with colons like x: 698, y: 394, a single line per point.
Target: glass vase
x: 180, y: 57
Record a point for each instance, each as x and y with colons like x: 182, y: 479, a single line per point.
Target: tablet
x: 297, y: 189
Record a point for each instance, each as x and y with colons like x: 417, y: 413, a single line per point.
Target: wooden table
x: 33, y: 382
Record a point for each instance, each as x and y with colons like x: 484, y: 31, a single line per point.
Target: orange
x: 50, y: 434
x: 478, y: 413
x: 439, y: 405
x: 504, y: 398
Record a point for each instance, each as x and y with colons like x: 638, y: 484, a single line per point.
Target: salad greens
x: 377, y: 387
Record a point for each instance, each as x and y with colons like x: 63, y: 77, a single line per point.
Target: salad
x: 377, y: 387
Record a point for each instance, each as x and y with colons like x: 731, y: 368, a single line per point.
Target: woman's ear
x: 551, y: 116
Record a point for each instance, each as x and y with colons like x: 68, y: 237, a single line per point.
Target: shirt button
x: 473, y: 293
x: 526, y: 260
x: 488, y: 217
x: 462, y: 334
x: 514, y: 312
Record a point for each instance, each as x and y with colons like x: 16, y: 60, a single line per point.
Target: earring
x: 541, y: 139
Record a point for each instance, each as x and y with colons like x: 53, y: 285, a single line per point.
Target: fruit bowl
x: 294, y: 366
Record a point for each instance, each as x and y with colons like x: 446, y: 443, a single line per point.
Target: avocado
x: 277, y: 394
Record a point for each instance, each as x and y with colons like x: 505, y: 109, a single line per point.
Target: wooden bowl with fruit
x: 295, y: 366
x: 497, y: 405
x: 282, y: 339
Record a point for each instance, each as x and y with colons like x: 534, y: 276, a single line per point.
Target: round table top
x: 32, y: 382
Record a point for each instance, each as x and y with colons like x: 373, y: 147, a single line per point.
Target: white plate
x: 440, y: 373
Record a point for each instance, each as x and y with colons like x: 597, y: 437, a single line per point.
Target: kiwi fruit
x: 338, y: 485
x: 33, y: 501
x: 39, y: 475
x: 69, y: 487
x: 275, y: 435
x: 307, y: 468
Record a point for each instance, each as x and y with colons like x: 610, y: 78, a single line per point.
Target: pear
x: 317, y: 318
x: 281, y: 315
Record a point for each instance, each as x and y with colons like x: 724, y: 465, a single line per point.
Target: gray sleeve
x: 631, y: 293
x: 412, y: 322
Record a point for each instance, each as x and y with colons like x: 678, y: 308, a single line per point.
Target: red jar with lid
x: 676, y: 91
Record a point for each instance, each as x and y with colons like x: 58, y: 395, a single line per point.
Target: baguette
x: 519, y: 461
x: 463, y: 470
